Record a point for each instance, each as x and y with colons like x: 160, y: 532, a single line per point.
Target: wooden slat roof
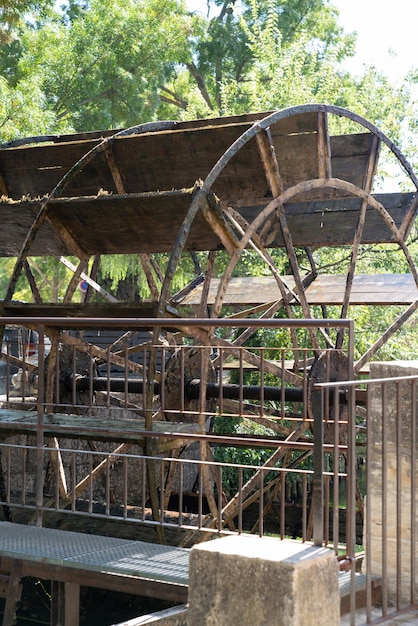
x: 114, y: 224
x: 158, y: 171
x: 176, y: 159
x: 368, y: 289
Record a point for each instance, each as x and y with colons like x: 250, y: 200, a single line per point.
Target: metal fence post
x: 318, y: 468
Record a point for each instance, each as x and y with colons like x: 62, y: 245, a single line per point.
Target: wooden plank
x: 75, y: 310
x: 14, y: 421
x: 14, y: 593
x: 147, y: 223
x: 377, y: 289
x: 350, y: 156
x: 35, y: 170
x: 175, y: 159
x: 333, y: 222
x: 373, y: 289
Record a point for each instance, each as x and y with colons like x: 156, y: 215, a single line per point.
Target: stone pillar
x: 260, y: 581
x: 391, y: 457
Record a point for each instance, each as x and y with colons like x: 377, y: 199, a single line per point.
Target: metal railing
x: 227, y: 438
x: 382, y: 435
x: 215, y: 396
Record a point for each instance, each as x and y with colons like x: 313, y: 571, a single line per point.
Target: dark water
x: 98, y: 607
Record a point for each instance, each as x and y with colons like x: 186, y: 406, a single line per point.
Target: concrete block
x: 391, y: 450
x: 252, y: 581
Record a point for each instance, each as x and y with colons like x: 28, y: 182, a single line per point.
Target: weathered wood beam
x: 269, y: 161
x: 114, y: 169
x: 368, y: 182
x: 215, y: 218
x: 70, y: 242
x: 324, y: 149
x: 32, y: 282
x: 104, y: 355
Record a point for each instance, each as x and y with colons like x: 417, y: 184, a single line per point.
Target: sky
x: 386, y: 34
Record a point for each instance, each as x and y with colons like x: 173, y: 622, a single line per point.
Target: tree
x: 98, y: 64
x: 12, y: 12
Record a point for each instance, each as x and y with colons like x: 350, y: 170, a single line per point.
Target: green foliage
x: 238, y: 456
x: 97, y: 65
x: 110, y: 63
x: 22, y: 109
x: 13, y: 12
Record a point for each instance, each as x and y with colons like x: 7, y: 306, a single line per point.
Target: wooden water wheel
x: 258, y: 183
x: 276, y: 186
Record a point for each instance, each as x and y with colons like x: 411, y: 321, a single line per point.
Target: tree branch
x: 200, y: 83
x: 175, y: 99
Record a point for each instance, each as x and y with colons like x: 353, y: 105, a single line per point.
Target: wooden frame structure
x: 257, y: 183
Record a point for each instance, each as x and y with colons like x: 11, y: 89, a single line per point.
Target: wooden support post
x: 12, y: 584
x: 65, y: 604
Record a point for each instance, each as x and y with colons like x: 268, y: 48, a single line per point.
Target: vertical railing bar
x: 220, y: 525
x: 318, y: 467
x: 352, y: 464
x: 107, y: 486
x: 162, y: 491
x: 282, y: 503
x: 57, y: 484
x: 261, y: 503
x: 24, y: 474
x: 282, y: 386
x: 57, y: 379
x: 125, y: 487
x: 91, y: 391
x: 202, y: 391
x: 144, y: 483
x: 336, y: 478
x: 304, y: 505
x: 74, y: 378
x: 384, y: 503
x: 220, y: 376
x: 351, y: 496
x: 181, y: 494
x: 126, y: 367
x: 73, y: 481
x: 398, y: 497
x: 240, y: 480
x: 327, y: 370
x: 8, y: 476
x: 182, y: 381
x: 305, y: 385
x: 200, y: 496
x: 262, y: 357
x: 108, y: 376
x: 326, y: 509
x: 90, y: 503
x: 241, y: 382
x: 24, y: 348
x: 40, y: 439
x: 162, y: 386
x: 368, y: 534
x: 8, y: 377
x: 144, y: 382
x: 414, y: 417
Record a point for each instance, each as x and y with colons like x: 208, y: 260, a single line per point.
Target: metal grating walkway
x: 95, y: 553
